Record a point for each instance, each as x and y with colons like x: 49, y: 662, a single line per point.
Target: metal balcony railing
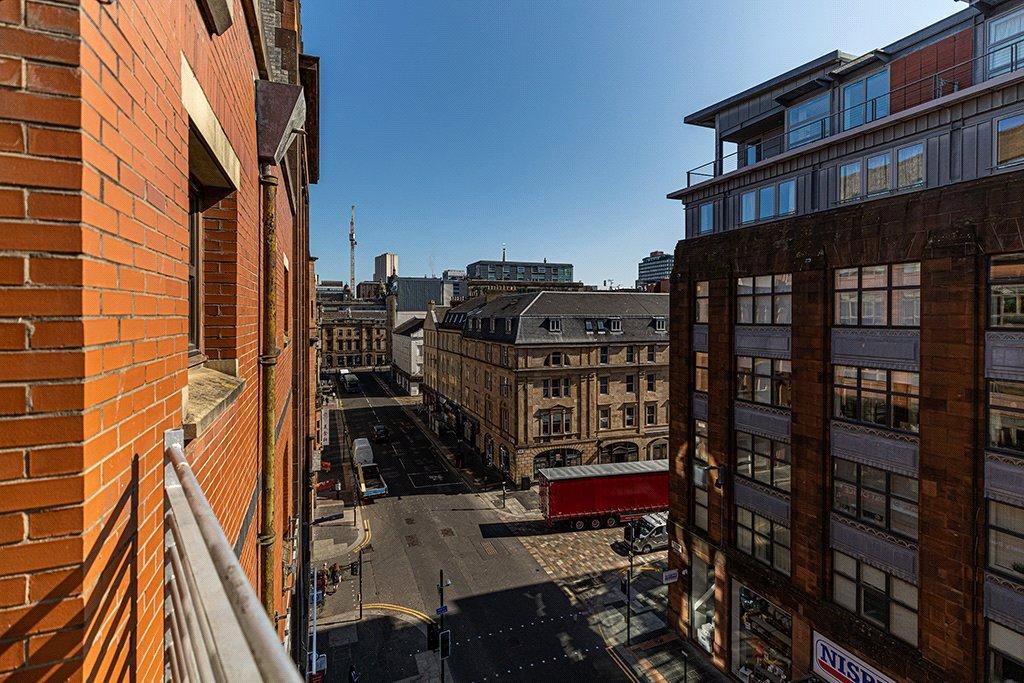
x: 1001, y: 60
x: 215, y: 628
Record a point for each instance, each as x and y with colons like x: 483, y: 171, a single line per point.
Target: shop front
x: 702, y: 603
x: 762, y: 638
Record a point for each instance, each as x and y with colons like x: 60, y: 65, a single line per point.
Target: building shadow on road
x: 529, y: 527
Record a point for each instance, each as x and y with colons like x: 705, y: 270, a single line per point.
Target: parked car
x: 380, y: 433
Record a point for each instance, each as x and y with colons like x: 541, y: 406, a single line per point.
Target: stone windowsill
x: 209, y: 394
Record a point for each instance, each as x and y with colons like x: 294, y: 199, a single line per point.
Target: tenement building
x: 847, y: 390
x: 549, y: 379
x: 155, y: 339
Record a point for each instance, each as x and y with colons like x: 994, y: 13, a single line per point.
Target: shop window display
x: 762, y: 638
x: 702, y: 603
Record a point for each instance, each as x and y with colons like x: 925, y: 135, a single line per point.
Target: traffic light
x: 433, y: 636
x: 354, y: 569
x: 446, y: 643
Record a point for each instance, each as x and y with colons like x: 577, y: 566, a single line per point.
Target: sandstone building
x: 549, y: 379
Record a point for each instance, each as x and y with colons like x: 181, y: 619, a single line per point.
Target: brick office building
x: 154, y: 276
x: 550, y: 379
x: 847, y: 482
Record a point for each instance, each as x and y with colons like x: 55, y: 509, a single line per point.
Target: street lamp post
x: 629, y: 598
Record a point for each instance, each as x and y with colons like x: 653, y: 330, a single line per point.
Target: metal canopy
x: 280, y: 116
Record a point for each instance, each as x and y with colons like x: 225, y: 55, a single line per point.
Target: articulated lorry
x: 603, y: 495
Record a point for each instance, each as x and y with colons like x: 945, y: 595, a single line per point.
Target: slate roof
x: 409, y: 327
x: 350, y: 314
x: 456, y: 316
x: 581, y: 318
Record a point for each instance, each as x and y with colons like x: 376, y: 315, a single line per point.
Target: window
x: 762, y: 638
x: 600, y: 326
x: 763, y: 380
x: 602, y: 385
x: 910, y: 166
x: 879, y: 173
x: 556, y: 388
x: 748, y: 207
x: 700, y: 463
x: 651, y: 414
x: 604, y: 418
x: 702, y: 601
x: 880, y: 397
x: 882, y: 599
x: 866, y: 100
x: 766, y: 541
x: 1006, y: 291
x: 1005, y: 50
x: 787, y: 197
x: 879, y: 295
x: 659, y: 450
x: 1006, y: 415
x: 195, y: 272
x: 1010, y: 140
x: 660, y: 325
x: 602, y: 355
x: 883, y: 499
x: 849, y: 181
x: 764, y: 300
x: 629, y: 416
x: 751, y: 152
x: 652, y: 353
x: 1005, y: 654
x: 701, y: 308
x: 555, y: 325
x: 764, y: 460
x: 631, y: 383
x: 615, y: 325
x: 589, y: 325
x: 808, y: 121
x: 557, y: 358
x: 652, y: 381
x: 508, y: 324
x: 700, y: 372
x: 556, y: 421
x: 707, y: 218
x: 1006, y: 540
x: 766, y: 202
x: 630, y: 354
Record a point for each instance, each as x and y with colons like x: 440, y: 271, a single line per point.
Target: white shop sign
x: 839, y: 666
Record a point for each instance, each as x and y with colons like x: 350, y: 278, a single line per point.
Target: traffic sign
x: 669, y: 576
x: 443, y: 609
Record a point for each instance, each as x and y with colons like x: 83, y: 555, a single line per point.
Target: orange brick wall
x: 93, y: 322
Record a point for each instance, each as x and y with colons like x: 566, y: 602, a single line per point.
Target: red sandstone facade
x: 98, y: 102
x: 847, y: 480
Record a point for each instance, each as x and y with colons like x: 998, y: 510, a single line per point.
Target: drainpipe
x: 268, y: 360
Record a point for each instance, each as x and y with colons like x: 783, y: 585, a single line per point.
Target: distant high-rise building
x: 384, y: 266
x: 654, y: 268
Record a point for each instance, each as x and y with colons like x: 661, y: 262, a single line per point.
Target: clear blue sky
x: 555, y: 127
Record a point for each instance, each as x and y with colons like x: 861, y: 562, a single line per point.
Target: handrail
x: 267, y: 652
x: 936, y: 84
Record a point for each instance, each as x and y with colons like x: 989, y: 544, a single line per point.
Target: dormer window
x: 600, y: 325
x: 494, y: 325
x: 808, y: 121
x: 615, y: 325
x: 554, y: 325
x: 589, y: 325
x: 508, y: 324
x: 660, y: 324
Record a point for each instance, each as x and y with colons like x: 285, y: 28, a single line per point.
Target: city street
x: 509, y: 619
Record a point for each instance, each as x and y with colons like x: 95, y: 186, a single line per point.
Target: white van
x: 649, y: 533
x: 362, y: 452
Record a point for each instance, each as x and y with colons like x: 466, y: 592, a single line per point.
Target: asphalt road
x: 508, y: 621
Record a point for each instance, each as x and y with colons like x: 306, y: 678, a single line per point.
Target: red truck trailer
x: 603, y: 495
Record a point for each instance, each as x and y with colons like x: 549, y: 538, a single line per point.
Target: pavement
x: 524, y: 602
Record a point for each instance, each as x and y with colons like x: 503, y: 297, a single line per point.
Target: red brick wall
x: 911, y: 77
x: 93, y: 318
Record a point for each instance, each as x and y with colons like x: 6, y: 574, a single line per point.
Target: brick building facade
x: 551, y: 379
x: 847, y: 480
x: 135, y: 172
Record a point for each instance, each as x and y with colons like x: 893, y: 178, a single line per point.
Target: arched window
x: 560, y: 457
x: 658, y: 450
x: 623, y: 451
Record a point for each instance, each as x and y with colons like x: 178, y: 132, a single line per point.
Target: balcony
x: 820, y: 126
x: 215, y: 628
